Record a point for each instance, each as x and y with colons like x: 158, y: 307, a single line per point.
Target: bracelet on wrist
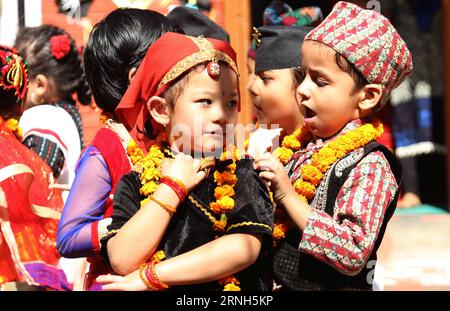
x: 167, y: 207
x: 176, y: 185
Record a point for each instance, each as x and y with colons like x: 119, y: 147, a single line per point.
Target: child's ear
x: 159, y: 110
x: 370, y: 96
x: 42, y: 86
x: 131, y: 74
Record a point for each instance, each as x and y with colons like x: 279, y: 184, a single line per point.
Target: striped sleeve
x: 345, y: 240
x: 48, y: 151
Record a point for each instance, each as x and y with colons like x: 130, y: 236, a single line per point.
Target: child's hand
x: 130, y: 282
x: 273, y: 172
x: 186, y: 169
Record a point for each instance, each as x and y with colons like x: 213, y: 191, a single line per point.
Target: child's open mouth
x: 308, y: 113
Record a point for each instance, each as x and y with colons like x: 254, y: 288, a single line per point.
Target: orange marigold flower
x: 283, y: 154
x: 291, y: 142
x: 149, y: 188
x: 279, y: 231
x: 158, y: 256
x: 225, y: 178
x: 305, y: 188
x: 225, y: 190
x: 219, y: 226
x: 312, y: 174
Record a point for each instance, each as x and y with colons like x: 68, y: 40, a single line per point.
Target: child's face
x: 273, y: 96
x: 326, y: 95
x: 202, y: 112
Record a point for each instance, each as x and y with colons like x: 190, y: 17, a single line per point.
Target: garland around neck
x: 149, y: 168
x: 313, y: 173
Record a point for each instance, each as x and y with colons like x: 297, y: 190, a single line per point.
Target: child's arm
x: 358, y: 215
x: 219, y: 258
x: 143, y: 227
x: 83, y: 210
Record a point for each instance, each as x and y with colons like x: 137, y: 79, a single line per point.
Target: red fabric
x: 162, y: 56
x: 34, y: 236
x: 112, y: 151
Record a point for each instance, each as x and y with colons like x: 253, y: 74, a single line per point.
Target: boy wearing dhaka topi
x: 338, y: 188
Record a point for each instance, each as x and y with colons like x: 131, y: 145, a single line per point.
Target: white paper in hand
x: 261, y: 140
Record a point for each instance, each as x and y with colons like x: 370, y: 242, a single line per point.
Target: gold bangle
x: 167, y: 207
x: 177, y: 181
x: 144, y: 278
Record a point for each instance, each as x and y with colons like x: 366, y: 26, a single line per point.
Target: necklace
x: 322, y: 159
x: 149, y: 168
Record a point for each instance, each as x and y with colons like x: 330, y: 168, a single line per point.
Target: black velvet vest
x: 298, y: 271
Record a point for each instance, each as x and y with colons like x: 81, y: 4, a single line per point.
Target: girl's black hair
x: 116, y: 44
x: 67, y: 73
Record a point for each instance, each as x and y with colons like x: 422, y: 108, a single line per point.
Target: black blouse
x: 190, y: 227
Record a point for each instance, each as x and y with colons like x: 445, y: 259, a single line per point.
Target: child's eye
x: 321, y: 82
x: 233, y: 103
x: 204, y: 102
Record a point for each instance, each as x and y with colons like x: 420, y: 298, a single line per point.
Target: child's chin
x: 213, y: 150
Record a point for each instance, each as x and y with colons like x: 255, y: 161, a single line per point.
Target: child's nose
x: 302, y: 92
x: 218, y: 114
x: 251, y: 85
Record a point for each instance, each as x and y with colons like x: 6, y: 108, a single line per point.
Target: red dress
x: 29, y: 212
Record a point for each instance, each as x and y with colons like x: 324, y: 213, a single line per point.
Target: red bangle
x: 152, y: 277
x: 177, y: 187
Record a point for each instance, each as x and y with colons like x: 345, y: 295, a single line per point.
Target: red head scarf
x: 168, y: 58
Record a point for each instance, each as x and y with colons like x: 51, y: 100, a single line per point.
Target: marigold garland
x: 313, y: 173
x: 149, y: 167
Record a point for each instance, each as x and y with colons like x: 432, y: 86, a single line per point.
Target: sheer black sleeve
x: 127, y: 201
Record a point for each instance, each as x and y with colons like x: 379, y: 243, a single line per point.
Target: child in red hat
x: 341, y: 186
x: 211, y: 218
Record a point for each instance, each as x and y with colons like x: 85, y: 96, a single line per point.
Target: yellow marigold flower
x: 225, y: 190
x: 155, y: 153
x: 150, y: 174
x: 305, y: 188
x: 283, y: 154
x: 12, y: 124
x: 291, y: 142
x: 158, y: 256
x: 312, y: 174
x: 149, y: 188
x: 231, y: 288
x: 232, y: 168
x: 226, y: 203
x: 324, y: 158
